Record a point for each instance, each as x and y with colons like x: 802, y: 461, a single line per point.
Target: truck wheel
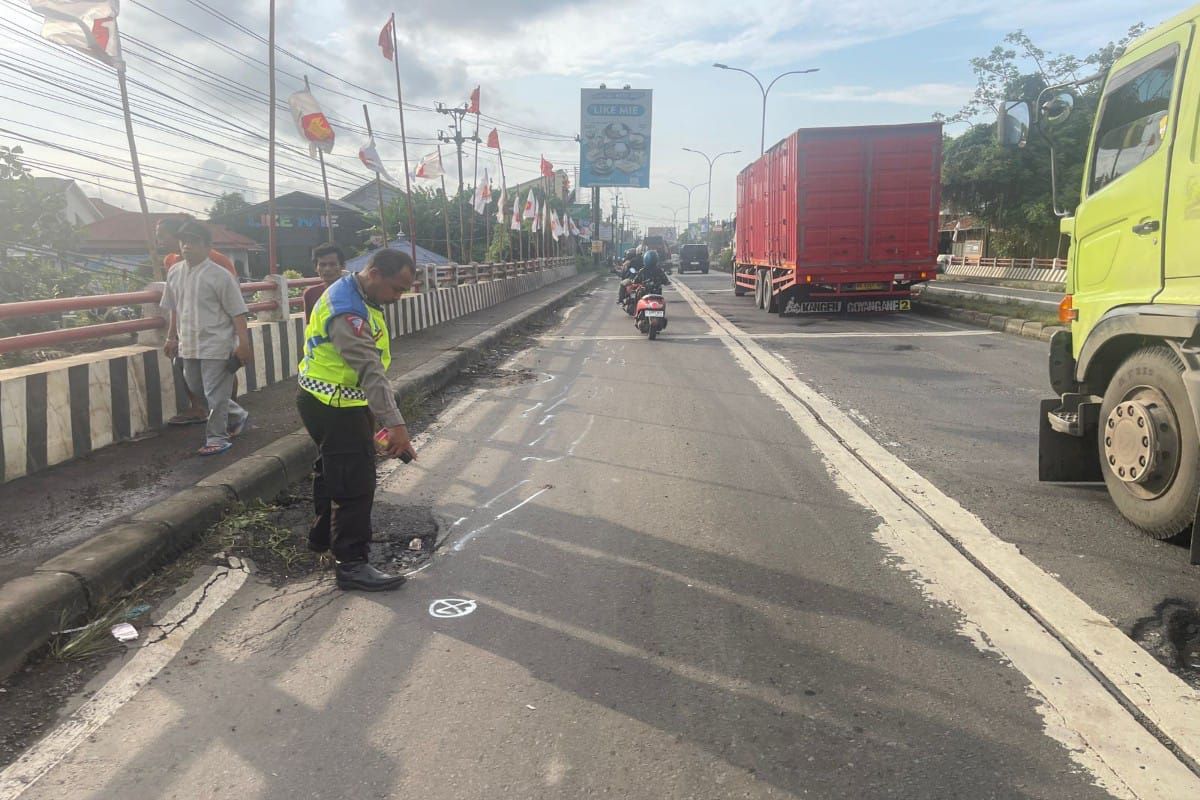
x: 738, y: 291
x: 771, y: 301
x: 1149, y: 451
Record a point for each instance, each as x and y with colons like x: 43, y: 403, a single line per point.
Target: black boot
x: 361, y: 575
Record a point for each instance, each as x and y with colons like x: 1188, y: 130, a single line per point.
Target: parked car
x: 693, y: 256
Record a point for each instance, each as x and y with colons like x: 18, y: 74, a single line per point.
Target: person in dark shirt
x: 330, y: 263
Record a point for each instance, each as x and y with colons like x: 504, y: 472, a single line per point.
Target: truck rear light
x: 922, y: 276
x: 808, y: 278
x: 1066, y: 309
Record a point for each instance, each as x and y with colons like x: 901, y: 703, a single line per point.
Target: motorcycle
x: 632, y: 293
x: 650, y: 316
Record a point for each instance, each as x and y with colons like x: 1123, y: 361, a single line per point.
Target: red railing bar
x: 31, y: 341
x: 266, y: 305
x: 33, y: 308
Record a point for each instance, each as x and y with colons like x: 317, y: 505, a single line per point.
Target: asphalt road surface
x: 759, y: 557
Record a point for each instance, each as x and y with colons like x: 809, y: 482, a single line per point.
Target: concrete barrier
x: 63, y: 409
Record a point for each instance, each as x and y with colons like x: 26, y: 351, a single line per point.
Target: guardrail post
x: 280, y: 295
x: 158, y: 337
x: 430, y: 278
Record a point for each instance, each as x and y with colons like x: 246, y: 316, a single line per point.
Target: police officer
x: 344, y: 391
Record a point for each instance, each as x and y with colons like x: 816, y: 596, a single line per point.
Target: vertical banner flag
x: 614, y: 147
x: 537, y: 217
x: 86, y: 25
x: 547, y: 168
x: 429, y: 167
x: 555, y: 229
x: 483, y: 194
x: 494, y: 139
x: 530, y: 207
x: 500, y: 206
x: 473, y: 108
x: 516, y: 215
x: 369, y: 156
x: 385, y: 40
x: 311, y: 123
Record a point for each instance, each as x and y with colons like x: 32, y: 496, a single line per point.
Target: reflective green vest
x: 323, y: 372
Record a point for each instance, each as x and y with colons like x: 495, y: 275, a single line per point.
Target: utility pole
x: 456, y: 115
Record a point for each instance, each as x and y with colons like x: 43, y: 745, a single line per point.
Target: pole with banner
x: 156, y: 264
x: 272, y: 246
x: 388, y: 43
x: 324, y: 183
x: 446, y: 215
x: 378, y: 180
x: 474, y: 107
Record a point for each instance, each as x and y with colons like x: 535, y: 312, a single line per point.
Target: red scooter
x: 651, y: 314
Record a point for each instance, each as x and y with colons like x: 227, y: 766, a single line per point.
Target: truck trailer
x: 834, y: 220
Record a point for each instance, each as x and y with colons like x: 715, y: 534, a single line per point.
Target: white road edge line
x: 188, y: 615
x: 926, y: 529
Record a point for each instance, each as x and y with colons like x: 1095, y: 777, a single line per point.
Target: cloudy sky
x: 198, y: 82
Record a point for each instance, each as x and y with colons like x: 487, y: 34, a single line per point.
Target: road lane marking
x: 1058, y: 644
x: 180, y: 623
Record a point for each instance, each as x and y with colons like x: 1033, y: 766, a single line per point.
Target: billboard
x: 614, y: 130
x: 666, y: 232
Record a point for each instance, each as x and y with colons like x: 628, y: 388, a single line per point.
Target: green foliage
x: 227, y: 203
x: 29, y: 215
x: 1009, y: 189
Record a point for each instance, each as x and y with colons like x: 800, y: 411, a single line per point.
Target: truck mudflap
x: 1067, y: 451
x: 798, y: 304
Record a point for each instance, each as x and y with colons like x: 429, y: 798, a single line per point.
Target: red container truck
x: 833, y: 220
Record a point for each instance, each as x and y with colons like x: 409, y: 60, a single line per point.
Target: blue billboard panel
x: 614, y: 131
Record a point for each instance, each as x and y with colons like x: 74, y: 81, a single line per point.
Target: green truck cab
x: 1127, y: 373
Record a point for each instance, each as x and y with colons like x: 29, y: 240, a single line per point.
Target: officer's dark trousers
x: 343, y: 477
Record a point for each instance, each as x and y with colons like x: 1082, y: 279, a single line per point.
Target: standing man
x: 344, y: 390
x: 208, y: 333
x: 330, y: 263
x: 166, y: 234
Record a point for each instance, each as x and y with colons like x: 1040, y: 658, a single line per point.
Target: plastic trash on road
x: 124, y: 632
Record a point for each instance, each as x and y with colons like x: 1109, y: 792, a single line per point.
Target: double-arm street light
x: 689, y: 190
x: 674, y: 217
x: 762, y: 138
x: 711, y: 161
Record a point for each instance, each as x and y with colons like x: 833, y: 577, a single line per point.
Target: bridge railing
x: 1008, y: 263
x: 142, y: 307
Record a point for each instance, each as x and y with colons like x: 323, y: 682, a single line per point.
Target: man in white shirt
x: 208, y: 332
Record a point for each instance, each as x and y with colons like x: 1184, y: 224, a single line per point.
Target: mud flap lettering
x: 795, y: 306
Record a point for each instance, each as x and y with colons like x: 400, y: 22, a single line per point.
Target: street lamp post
x: 708, y: 192
x: 689, y: 191
x: 674, y: 218
x: 762, y: 137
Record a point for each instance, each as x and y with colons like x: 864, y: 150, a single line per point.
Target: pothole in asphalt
x: 1172, y: 635
x: 405, y: 535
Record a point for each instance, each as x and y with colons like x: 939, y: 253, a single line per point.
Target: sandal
x: 187, y: 419
x: 240, y: 428
x: 214, y: 449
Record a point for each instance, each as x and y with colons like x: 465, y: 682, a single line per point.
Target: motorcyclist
x: 649, y: 276
x: 629, y: 268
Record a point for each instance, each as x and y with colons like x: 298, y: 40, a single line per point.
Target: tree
x: 1009, y: 190
x: 227, y: 203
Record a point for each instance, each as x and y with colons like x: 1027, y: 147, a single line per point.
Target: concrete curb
x: 1016, y: 326
x: 73, y: 584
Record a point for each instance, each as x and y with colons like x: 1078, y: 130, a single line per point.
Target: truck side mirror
x: 1056, y: 109
x: 1012, y: 123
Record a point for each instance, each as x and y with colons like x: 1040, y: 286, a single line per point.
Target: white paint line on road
x: 529, y: 499
x: 181, y: 621
x: 507, y: 491
x: 536, y: 441
x: 925, y: 529
x: 461, y: 543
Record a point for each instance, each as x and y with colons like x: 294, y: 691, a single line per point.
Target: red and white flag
x: 369, y: 156
x: 311, y: 123
x: 500, y: 206
x: 555, y: 229
x: 547, y: 168
x: 87, y: 25
x: 473, y: 108
x: 483, y: 194
x: 571, y: 226
x: 429, y: 167
x: 537, y: 217
x: 494, y: 139
x: 530, y: 207
x: 516, y: 215
x: 386, y: 41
